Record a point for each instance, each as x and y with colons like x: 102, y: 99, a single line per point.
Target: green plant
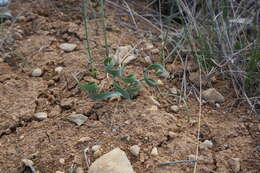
x: 131, y: 85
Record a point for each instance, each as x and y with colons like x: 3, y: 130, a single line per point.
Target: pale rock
x: 58, y: 70
x: 213, y: 96
x: 1, y: 59
x: 97, y: 153
x: 174, y: 90
x: 172, y: 135
x: 115, y: 161
x: 68, y: 47
x: 235, y: 164
x: 135, y: 150
x: 84, y: 139
x: 165, y: 74
x: 124, y: 55
x: 129, y: 59
x: 62, y: 161
x: 160, y: 83
x: 149, y: 46
x: 154, y: 151
x: 153, y: 108
x: 208, y: 143
x: 41, y: 115
x: 125, y: 137
x: 148, y: 60
x: 153, y: 101
x: 78, y: 119
x: 155, y: 51
x: 37, y: 72
x: 96, y: 148
x: 27, y: 162
x: 175, y: 108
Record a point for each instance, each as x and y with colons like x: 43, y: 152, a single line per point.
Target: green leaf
x: 150, y: 82
x: 105, y: 95
x: 89, y: 87
x: 129, y: 79
x: 159, y: 69
x: 114, y: 72
x: 124, y: 93
x: 109, y: 62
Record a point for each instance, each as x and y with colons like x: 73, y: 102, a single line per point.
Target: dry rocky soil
x: 54, y: 143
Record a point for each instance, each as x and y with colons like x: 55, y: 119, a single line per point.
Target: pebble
x: 41, y: 116
x: 78, y: 119
x: 97, y: 153
x: 172, y: 135
x: 175, y: 108
x: 174, y: 90
x: 155, y: 51
x: 148, y: 60
x: 217, y: 105
x: 1, y: 59
x: 153, y: 101
x: 96, y: 148
x: 79, y: 170
x: 213, y: 96
x: 235, y: 164
x: 135, y: 149
x: 160, y: 83
x: 62, y: 161
x: 208, y: 143
x: 154, y: 151
x: 27, y: 162
x: 58, y: 69
x: 37, y: 72
x: 153, y: 108
x: 149, y: 46
x: 84, y: 139
x: 115, y: 161
x: 68, y: 47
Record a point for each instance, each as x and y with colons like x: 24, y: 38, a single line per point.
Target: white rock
x: 27, y: 162
x: 41, y: 115
x: 160, y: 83
x: 149, y: 46
x: 96, y: 148
x: 115, y: 161
x: 78, y: 119
x: 68, y: 47
x: 154, y: 151
x: 58, y: 69
x: 148, y: 60
x: 212, y: 95
x: 208, y: 143
x: 165, y: 74
x: 153, y: 101
x: 62, y: 161
x: 135, y: 150
x: 37, y: 72
x: 175, y: 108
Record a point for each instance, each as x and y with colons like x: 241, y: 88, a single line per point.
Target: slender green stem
x: 104, y: 26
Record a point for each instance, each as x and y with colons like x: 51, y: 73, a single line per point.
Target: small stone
x: 37, y: 72
x: 153, y: 101
x: 67, y: 47
x: 160, y: 83
x: 165, y: 74
x: 125, y: 137
x: 135, y: 149
x: 21, y: 137
x: 149, y: 46
x: 62, y: 161
x: 235, y: 164
x: 79, y: 170
x: 217, y: 105
x: 115, y: 161
x: 84, y: 139
x: 154, y: 151
x: 208, y: 143
x: 213, y: 96
x: 172, y: 135
x: 175, y: 108
x: 155, y: 51
x: 148, y: 60
x: 58, y: 69
x: 97, y: 153
x: 41, y: 116
x: 153, y: 108
x: 78, y: 119
x: 27, y: 162
x: 174, y: 90
x: 1, y: 59
x: 96, y: 148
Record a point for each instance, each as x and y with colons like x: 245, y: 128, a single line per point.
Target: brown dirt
x: 43, y: 27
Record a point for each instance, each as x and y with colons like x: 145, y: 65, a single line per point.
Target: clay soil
x: 40, y: 28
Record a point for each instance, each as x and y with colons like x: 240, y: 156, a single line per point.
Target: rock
x: 174, y: 90
x: 165, y: 74
x: 79, y: 170
x: 124, y: 55
x: 213, y: 96
x: 41, y: 115
x: 62, y: 161
x: 84, y: 139
x: 149, y: 46
x: 96, y: 148
x: 78, y: 119
x: 27, y: 162
x: 58, y: 70
x: 68, y: 47
x: 37, y: 72
x: 115, y: 161
x: 217, y: 105
x: 153, y: 101
x: 160, y: 83
x: 2, y: 60
x: 153, y: 108
x: 148, y: 60
x: 172, y: 135
x: 154, y: 151
x: 235, y: 164
x: 208, y: 143
x: 135, y: 149
x: 97, y: 153
x: 175, y: 108
x: 155, y: 51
